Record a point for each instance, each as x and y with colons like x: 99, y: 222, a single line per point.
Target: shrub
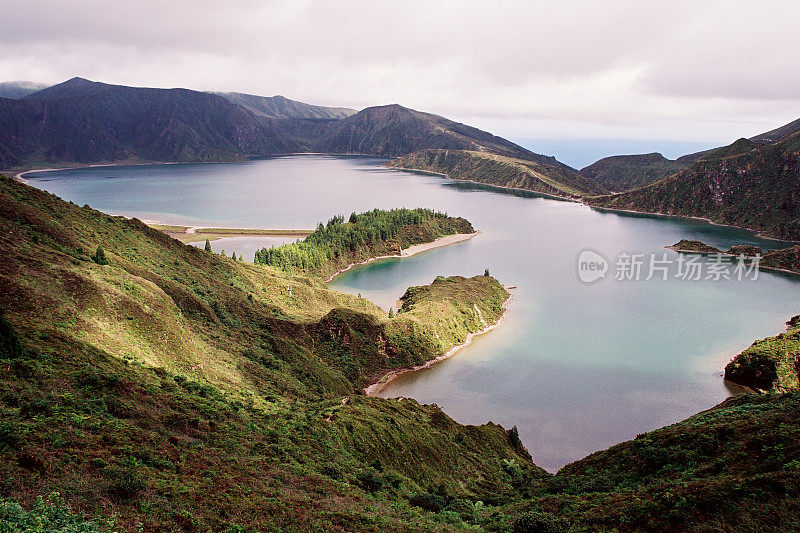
x: 538, y: 522
x: 51, y: 514
x: 127, y: 479
x: 99, y: 256
x: 429, y: 502
x: 10, y: 346
x: 369, y: 481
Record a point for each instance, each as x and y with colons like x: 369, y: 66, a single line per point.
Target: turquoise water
x: 576, y: 366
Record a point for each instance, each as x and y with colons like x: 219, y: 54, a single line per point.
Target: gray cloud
x: 706, y: 70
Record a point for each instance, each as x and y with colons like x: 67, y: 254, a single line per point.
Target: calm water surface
x: 577, y: 367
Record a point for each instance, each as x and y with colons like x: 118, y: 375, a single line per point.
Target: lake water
x: 576, y: 366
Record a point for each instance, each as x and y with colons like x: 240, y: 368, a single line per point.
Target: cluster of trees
x: 337, y: 238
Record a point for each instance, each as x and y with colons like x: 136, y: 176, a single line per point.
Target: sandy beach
x: 412, y: 250
x: 378, y: 385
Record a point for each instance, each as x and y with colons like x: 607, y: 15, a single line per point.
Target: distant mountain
x: 778, y: 133
x: 502, y: 171
x: 625, y: 172
x: 281, y: 107
x: 394, y: 130
x: 763, y: 138
x: 19, y: 89
x: 744, y: 184
x: 81, y: 121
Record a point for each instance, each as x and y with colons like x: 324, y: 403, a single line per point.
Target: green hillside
x: 624, y: 172
x: 548, y: 177
x: 745, y: 184
x: 173, y: 385
x: 282, y: 107
x: 152, y: 385
x: 338, y: 244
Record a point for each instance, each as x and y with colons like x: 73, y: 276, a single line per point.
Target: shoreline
x: 720, y: 252
x: 411, y: 251
x: 380, y: 383
x: 582, y: 200
x: 19, y: 176
x: 756, y: 232
x: 549, y: 196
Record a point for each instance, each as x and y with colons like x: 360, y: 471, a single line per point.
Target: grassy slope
x: 625, y: 172
x: 735, y: 467
x: 102, y: 399
x: 744, y: 184
x: 769, y: 364
x: 502, y: 171
x: 172, y: 374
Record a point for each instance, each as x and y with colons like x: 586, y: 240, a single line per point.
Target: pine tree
x: 99, y: 256
x: 208, y: 246
x: 222, y: 253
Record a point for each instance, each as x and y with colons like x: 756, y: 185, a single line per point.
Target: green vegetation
x: 174, y: 389
x: 745, y: 184
x: 544, y: 176
x: 49, y: 514
x: 207, y: 247
x: 625, y: 172
x: 771, y: 364
x: 173, y: 386
x: 99, y: 256
x: 783, y: 259
x: 690, y: 246
x: 735, y: 467
x: 372, y: 234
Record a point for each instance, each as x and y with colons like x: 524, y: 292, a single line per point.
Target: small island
x: 780, y: 260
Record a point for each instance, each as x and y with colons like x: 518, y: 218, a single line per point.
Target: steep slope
x: 745, y: 184
x: 282, y: 107
x: 83, y: 121
x: 394, y: 130
x: 502, y: 171
x: 778, y: 133
x: 177, y: 388
x: 624, y: 172
x: 735, y: 467
x: 768, y: 137
x: 771, y: 364
x: 15, y: 90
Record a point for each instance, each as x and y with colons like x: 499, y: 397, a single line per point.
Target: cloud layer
x: 711, y: 70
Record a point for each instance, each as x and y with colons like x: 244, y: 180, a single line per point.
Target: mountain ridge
x: 744, y: 184
x: 86, y: 122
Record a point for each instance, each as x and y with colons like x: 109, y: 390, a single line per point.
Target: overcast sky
x: 704, y: 71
